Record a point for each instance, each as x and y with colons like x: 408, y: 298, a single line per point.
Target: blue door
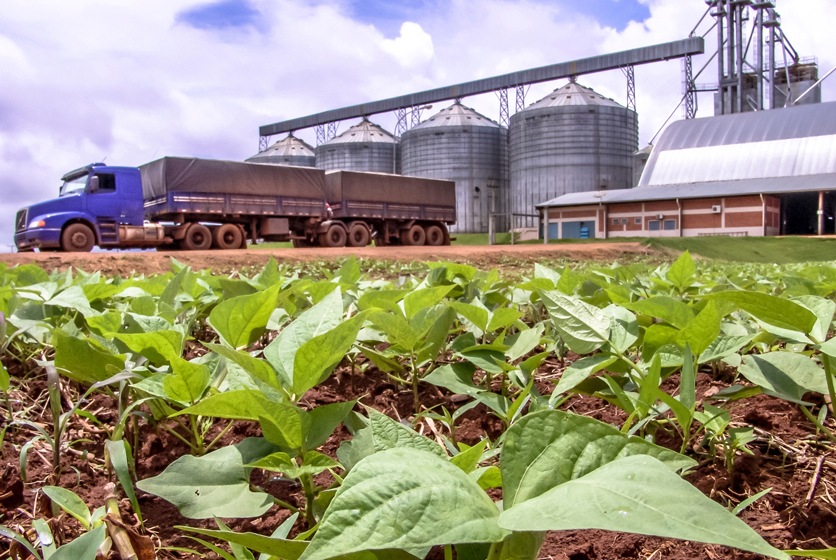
x: 578, y: 230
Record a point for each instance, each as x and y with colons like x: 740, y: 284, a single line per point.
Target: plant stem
x: 818, y: 424
x: 496, y: 551
x: 828, y: 375
x: 198, y: 439
x: 310, y: 496
x: 415, y: 379
x: 285, y: 505
x: 219, y: 436
x: 178, y: 436
x: 448, y: 552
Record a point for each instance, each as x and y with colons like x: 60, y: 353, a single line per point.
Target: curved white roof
x: 288, y: 146
x: 364, y: 131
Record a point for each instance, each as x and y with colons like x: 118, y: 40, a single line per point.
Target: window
x: 107, y: 182
x: 624, y: 222
x: 637, y: 221
x: 670, y: 224
x: 615, y: 221
x: 653, y: 225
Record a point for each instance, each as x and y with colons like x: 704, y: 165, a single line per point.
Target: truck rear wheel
x: 435, y: 236
x: 414, y: 236
x: 78, y: 238
x: 334, y: 237
x: 197, y: 238
x: 358, y: 235
x: 226, y: 237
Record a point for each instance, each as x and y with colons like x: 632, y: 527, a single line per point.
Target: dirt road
x: 122, y: 263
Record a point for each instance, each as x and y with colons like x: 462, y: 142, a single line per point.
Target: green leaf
x: 159, y: 347
x: 824, y: 554
x: 503, y: 317
x: 69, y: 502
x: 383, y: 299
x: 280, y: 548
x: 422, y: 299
x: 243, y: 404
x: 682, y: 272
x: 475, y: 314
x: 824, y: 310
x: 583, y: 327
x: 389, y: 434
x: 636, y: 495
x: 541, y: 271
x: 469, y: 458
x: 786, y: 375
x: 579, y: 370
x: 487, y: 477
x: 456, y: 378
x: 688, y: 380
x: 258, y: 369
x: 525, y: 343
x: 316, y: 358
x: 283, y: 426
x: 216, y: 484
x: 669, y: 310
x: 45, y: 537
x: 241, y: 320
x: 84, y: 360
x: 624, y: 328
x: 776, y: 311
x: 173, y: 287
x: 73, y: 298
x: 118, y: 451
x: 82, y: 548
x: 313, y: 463
x: 319, y: 319
x: 702, y: 330
x: 5, y: 380
x: 324, y: 420
x: 749, y: 501
x: 187, y: 381
x: 433, y: 500
x: 548, y: 448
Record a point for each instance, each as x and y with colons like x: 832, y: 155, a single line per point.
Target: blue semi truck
x: 197, y: 204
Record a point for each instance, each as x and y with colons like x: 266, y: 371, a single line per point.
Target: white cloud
x: 413, y: 48
x: 89, y: 79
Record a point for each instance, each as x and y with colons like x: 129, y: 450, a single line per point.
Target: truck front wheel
x: 227, y: 236
x: 197, y: 238
x: 413, y: 236
x: 78, y: 238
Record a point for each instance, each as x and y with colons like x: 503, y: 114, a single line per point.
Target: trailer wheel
x: 78, y: 238
x: 197, y: 238
x: 414, y: 236
x: 358, y: 235
x: 435, y: 236
x: 334, y: 237
x: 226, y: 237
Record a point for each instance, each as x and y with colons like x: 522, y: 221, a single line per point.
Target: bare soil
x: 785, y: 458
x: 153, y: 262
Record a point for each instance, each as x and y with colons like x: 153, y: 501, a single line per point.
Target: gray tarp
x: 174, y: 174
x: 382, y: 187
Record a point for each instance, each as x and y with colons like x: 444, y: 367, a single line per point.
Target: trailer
x: 196, y: 204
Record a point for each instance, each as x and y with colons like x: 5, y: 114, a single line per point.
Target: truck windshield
x: 69, y: 187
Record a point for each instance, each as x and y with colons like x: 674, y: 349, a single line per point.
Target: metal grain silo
x: 572, y: 140
x: 287, y: 151
x: 458, y: 144
x: 363, y: 147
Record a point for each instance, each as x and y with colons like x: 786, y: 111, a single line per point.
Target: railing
x: 492, y: 224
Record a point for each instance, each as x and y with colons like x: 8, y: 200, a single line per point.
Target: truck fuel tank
x: 146, y: 235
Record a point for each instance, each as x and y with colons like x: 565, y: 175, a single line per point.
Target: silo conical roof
x: 457, y: 115
x: 573, y: 94
x: 365, y: 131
x: 287, y: 146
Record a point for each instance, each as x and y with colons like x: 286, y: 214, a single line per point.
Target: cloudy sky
x: 130, y: 81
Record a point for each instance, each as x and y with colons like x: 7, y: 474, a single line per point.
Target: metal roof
x: 364, y: 131
x: 457, y: 115
x: 787, y: 142
x: 573, y: 94
x: 288, y: 146
x: 773, y: 185
x: 600, y: 63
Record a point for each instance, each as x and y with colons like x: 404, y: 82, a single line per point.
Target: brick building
x: 748, y: 174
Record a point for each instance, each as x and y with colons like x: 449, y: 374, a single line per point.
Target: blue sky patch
x: 388, y: 15
x: 226, y: 14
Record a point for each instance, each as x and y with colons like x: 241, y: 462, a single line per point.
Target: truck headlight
x: 37, y: 224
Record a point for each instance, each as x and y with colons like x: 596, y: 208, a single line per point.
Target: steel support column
x: 691, y: 99
x: 401, y: 125
x: 320, y: 134
x: 504, y: 116
x: 630, y: 73
x: 263, y: 142
x: 332, y: 129
x: 520, y: 99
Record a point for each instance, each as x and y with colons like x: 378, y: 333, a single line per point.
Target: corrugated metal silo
x: 363, y: 147
x: 287, y: 151
x: 458, y: 144
x: 572, y: 140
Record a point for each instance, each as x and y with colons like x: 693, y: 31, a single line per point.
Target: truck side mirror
x: 94, y: 184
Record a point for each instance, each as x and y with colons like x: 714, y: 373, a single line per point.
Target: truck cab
x: 93, y: 201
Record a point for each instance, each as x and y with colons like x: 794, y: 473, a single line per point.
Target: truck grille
x: 20, y: 220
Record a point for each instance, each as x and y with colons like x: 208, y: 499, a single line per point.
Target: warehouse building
x: 746, y: 174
